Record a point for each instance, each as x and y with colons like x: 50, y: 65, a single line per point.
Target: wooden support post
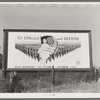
x: 96, y: 74
x: 3, y: 74
x: 13, y: 81
x: 11, y: 74
x: 53, y: 77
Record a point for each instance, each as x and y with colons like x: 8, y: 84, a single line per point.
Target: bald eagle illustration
x: 48, y: 50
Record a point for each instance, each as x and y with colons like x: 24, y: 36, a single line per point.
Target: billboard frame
x: 5, y: 50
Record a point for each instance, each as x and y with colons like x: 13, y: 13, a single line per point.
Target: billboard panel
x: 44, y: 49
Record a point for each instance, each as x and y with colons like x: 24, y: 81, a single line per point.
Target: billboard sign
x: 42, y: 49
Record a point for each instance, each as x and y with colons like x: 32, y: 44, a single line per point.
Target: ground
x: 43, y: 84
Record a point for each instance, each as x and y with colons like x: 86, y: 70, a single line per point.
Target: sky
x: 57, y: 17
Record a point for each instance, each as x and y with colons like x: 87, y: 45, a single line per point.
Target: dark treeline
x: 0, y: 61
x: 32, y: 50
x: 0, y: 58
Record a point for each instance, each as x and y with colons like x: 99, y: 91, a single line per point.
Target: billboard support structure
x: 53, y: 77
x: 38, y: 50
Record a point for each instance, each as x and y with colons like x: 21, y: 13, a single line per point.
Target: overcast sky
x: 58, y: 17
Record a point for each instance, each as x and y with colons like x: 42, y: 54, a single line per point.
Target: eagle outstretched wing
x: 63, y: 49
x: 30, y: 50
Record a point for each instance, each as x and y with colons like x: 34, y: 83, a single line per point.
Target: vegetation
x: 64, y: 82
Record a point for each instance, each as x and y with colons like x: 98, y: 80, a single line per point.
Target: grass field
x: 81, y: 87
x: 41, y: 82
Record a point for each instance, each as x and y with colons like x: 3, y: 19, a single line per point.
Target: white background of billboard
x: 17, y: 58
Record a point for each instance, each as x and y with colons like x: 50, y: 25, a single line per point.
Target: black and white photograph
x: 49, y: 50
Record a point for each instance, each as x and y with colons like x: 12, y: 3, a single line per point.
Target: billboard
x: 42, y: 49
